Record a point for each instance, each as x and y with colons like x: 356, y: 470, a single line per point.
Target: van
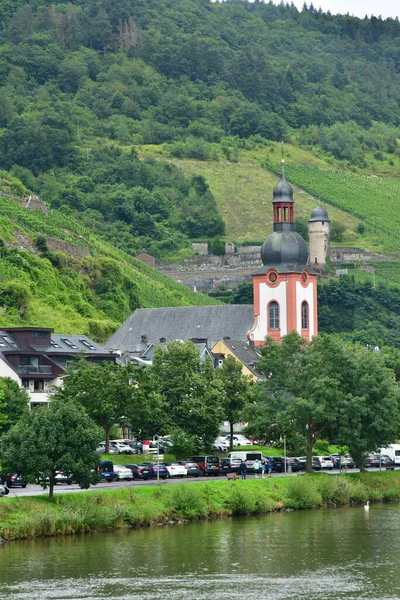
x: 393, y: 451
x: 247, y: 457
x: 208, y: 465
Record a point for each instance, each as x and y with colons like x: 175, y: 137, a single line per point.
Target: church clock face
x: 304, y: 277
x: 272, y: 277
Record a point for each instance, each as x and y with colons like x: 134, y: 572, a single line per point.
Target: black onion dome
x: 283, y: 191
x: 319, y: 214
x: 284, y: 248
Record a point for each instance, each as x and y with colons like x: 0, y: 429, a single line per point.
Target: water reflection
x: 313, y: 555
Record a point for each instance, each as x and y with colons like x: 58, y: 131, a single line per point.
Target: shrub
x: 187, y: 502
x: 240, y: 501
x: 303, y: 493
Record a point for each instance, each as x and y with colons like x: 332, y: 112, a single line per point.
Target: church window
x: 304, y: 315
x: 273, y: 315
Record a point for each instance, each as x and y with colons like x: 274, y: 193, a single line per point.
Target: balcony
x: 34, y: 370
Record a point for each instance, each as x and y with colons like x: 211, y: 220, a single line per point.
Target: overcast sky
x: 358, y: 8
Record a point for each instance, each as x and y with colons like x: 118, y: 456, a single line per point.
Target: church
x: 285, y: 294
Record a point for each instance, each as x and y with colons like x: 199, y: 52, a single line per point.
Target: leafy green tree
x: 60, y: 437
x: 238, y: 391
x: 326, y: 389
x: 217, y: 246
x: 242, y: 294
x: 191, y: 393
x: 337, y: 231
x: 13, y: 403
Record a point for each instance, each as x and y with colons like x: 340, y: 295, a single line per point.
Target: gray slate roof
x: 212, y: 323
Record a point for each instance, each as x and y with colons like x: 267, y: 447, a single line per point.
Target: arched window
x: 273, y: 315
x: 304, y: 315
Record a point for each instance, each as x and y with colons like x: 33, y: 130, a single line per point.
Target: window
x: 273, y: 315
x: 54, y: 344
x: 304, y: 315
x: 25, y: 383
x: 39, y: 385
x: 70, y: 344
x: 87, y: 344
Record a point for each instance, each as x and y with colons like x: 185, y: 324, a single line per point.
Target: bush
x: 187, y: 502
x: 303, y: 493
x: 241, y: 501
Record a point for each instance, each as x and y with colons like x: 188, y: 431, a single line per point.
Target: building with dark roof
x: 36, y: 358
x: 247, y: 355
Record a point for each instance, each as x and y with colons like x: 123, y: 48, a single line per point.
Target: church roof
x: 319, y: 214
x: 284, y: 248
x: 161, y: 325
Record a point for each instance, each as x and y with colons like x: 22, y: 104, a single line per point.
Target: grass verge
x: 31, y: 517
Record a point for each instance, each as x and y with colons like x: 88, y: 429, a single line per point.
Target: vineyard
x: 375, y: 200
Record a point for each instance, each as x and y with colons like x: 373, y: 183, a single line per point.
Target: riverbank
x: 32, y: 517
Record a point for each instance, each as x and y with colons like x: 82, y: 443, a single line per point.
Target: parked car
x: 154, y: 468
x: 387, y: 461
x: 106, y: 470
x: 13, y: 480
x: 208, y: 465
x: 4, y: 490
x: 372, y: 460
x: 121, y: 473
x: 316, y: 465
x: 221, y: 444
x: 175, y: 469
x: 59, y: 478
x: 136, y: 446
x: 139, y: 471
x: 238, y: 440
x: 325, y: 462
x: 342, y: 461
x: 101, y: 449
x: 192, y: 468
x: 229, y: 465
x: 294, y: 464
x: 278, y: 465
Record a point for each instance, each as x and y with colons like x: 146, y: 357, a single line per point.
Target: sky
x: 358, y: 8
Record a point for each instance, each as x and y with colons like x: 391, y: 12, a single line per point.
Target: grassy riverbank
x: 30, y: 517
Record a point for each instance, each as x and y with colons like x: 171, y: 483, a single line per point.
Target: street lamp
x: 157, y: 439
x: 283, y: 438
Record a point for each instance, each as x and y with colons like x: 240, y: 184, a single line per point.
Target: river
x: 346, y: 553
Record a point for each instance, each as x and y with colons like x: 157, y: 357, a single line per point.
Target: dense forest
x: 84, y: 83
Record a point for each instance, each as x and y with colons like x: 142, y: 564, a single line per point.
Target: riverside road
x: 37, y: 490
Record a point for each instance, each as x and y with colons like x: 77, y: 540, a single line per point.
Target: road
x: 37, y: 490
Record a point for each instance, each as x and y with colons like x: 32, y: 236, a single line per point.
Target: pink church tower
x: 285, y: 288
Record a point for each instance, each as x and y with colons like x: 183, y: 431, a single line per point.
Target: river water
x: 346, y: 553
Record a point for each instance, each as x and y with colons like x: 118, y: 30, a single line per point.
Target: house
x: 247, y: 355
x: 148, y: 326
x: 36, y: 358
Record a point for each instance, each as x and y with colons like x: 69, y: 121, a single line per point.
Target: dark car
x: 154, y: 468
x: 278, y: 464
x: 136, y: 446
x: 140, y: 471
x: 294, y: 465
x: 229, y: 465
x: 208, y: 465
x: 372, y: 460
x: 13, y: 480
x: 316, y: 463
x: 386, y: 461
x: 192, y: 468
x: 106, y: 470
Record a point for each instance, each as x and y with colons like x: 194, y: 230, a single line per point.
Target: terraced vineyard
x: 375, y: 200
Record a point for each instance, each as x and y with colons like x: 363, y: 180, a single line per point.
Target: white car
x: 221, y: 444
x: 175, y: 470
x: 122, y: 473
x: 239, y: 440
x: 326, y: 462
x: 115, y: 448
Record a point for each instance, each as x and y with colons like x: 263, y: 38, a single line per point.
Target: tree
x: 58, y: 437
x: 114, y: 394
x: 13, y: 403
x: 326, y: 389
x: 191, y: 393
x: 238, y: 391
x: 337, y: 231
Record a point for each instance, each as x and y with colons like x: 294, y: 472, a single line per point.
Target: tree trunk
x: 51, y: 488
x: 230, y: 435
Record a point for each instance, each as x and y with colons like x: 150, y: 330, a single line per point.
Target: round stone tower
x: 319, y: 233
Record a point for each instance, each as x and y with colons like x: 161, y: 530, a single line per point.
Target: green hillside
x: 83, y: 84
x: 87, y: 287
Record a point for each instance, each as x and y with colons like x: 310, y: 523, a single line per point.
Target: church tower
x: 285, y: 288
x: 319, y: 234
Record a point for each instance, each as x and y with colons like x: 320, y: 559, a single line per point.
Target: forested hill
x: 83, y: 83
